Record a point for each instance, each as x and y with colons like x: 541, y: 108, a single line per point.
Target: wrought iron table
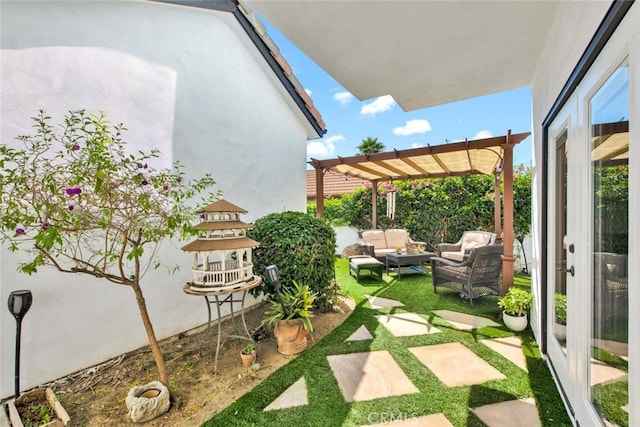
x: 219, y: 295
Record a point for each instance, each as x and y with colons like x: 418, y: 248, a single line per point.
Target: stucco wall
x: 183, y: 80
x: 574, y: 26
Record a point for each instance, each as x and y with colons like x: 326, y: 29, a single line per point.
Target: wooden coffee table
x: 405, y: 263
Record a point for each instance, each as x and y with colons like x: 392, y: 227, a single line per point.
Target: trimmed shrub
x: 302, y: 246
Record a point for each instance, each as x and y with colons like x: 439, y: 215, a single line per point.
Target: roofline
x: 233, y: 6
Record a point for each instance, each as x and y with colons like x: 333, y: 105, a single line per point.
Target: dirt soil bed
x: 96, y: 397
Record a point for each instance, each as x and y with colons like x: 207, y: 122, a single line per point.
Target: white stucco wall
x: 574, y: 26
x: 186, y: 81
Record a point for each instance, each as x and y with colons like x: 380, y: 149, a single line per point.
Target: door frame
x: 573, y: 392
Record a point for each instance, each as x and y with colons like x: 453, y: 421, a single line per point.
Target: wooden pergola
x: 490, y: 156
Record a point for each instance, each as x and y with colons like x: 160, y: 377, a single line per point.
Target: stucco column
x: 508, y: 258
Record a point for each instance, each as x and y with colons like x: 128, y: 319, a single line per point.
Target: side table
x: 213, y: 295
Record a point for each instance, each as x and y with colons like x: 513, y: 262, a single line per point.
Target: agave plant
x: 294, y: 303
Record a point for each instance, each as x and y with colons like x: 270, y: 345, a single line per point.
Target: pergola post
x: 374, y: 204
x: 508, y: 258
x: 497, y: 205
x: 319, y: 192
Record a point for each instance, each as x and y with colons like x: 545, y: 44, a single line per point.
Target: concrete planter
x: 148, y: 401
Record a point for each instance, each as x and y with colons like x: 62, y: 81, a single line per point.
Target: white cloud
x: 380, y: 105
x: 417, y: 145
x: 324, y: 147
x: 343, y: 98
x: 413, y: 126
x: 482, y: 135
x: 308, y: 91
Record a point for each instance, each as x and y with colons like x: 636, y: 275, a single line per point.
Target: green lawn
x: 326, y: 405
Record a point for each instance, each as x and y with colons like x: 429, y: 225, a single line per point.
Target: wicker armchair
x: 476, y: 276
x: 469, y: 240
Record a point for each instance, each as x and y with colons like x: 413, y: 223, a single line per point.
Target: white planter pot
x: 515, y: 323
x: 560, y: 331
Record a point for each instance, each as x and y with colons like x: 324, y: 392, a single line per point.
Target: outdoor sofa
x: 385, y: 241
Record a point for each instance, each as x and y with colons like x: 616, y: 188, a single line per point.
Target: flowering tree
x: 75, y: 200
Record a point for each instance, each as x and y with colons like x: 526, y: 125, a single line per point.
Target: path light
x: 520, y: 238
x: 19, y: 303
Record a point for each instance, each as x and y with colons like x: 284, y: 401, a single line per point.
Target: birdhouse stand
x: 222, y: 252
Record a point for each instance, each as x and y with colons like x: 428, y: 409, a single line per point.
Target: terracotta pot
x: 515, y: 323
x: 248, y: 359
x: 291, y: 336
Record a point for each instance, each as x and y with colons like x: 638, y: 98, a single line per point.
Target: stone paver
x: 361, y: 334
x: 407, y: 324
x: 369, y: 375
x: 379, y: 302
x: 296, y: 395
x: 603, y: 373
x: 433, y: 420
x: 464, y: 321
x: 455, y: 365
x: 509, y: 347
x: 512, y: 413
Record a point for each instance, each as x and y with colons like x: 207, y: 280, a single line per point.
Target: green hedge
x: 301, y: 246
x: 434, y: 210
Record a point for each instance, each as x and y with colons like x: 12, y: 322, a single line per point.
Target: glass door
x: 561, y: 207
x: 609, y: 177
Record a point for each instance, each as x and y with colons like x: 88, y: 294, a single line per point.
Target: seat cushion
x: 396, y: 237
x: 455, y: 256
x: 471, y: 240
x: 375, y: 238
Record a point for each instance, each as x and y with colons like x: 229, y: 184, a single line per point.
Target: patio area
x: 407, y: 356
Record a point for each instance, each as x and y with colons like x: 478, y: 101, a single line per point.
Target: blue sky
x: 349, y: 121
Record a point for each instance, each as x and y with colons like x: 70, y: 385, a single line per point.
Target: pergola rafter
x: 489, y: 156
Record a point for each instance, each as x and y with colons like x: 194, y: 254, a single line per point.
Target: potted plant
x: 514, y: 304
x: 560, y: 324
x: 248, y: 354
x: 289, y: 314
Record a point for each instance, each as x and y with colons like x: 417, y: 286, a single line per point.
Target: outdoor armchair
x: 469, y: 240
x: 476, y: 276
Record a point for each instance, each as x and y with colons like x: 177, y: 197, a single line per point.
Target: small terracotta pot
x: 248, y: 359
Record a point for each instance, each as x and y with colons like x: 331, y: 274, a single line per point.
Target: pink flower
x: 144, y: 182
x: 76, y: 147
x: 70, y: 207
x: 19, y: 231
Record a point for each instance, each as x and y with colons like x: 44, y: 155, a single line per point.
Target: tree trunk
x: 148, y: 327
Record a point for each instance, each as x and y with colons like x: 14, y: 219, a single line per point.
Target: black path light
x: 520, y: 238
x: 19, y: 303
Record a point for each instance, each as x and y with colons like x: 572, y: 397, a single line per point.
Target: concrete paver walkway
x: 375, y: 374
x: 370, y: 375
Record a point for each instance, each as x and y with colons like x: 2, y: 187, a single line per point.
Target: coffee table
x: 405, y: 263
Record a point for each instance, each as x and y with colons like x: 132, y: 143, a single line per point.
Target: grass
x: 327, y: 406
